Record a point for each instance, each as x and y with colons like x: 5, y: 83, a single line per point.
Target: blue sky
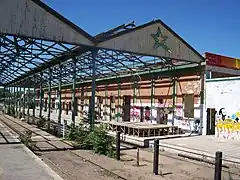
x: 207, y: 25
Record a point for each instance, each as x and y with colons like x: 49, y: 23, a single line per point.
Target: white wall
x: 224, y: 93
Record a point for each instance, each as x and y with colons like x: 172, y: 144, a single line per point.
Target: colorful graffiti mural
x: 227, y: 124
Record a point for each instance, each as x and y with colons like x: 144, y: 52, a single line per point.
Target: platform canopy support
x: 74, y: 61
x: 92, y: 105
x: 49, y: 98
x: 59, y: 98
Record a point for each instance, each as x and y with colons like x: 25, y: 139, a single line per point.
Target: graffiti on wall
x: 227, y: 124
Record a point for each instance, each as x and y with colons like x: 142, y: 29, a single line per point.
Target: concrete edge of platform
x: 196, y: 154
x: 53, y: 174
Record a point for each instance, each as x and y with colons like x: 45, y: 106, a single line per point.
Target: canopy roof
x: 36, y: 39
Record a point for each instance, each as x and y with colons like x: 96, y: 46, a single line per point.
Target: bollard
x: 137, y: 156
x: 218, y: 166
x: 156, y: 156
x: 64, y: 128
x: 118, y: 146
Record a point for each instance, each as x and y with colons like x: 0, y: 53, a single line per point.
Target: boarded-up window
x: 188, y: 105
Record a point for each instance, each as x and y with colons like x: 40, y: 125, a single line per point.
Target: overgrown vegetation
x: 11, y: 110
x: 97, y: 140
x: 26, y: 138
x: 42, y: 122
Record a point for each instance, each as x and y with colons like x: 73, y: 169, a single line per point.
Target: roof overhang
x: 34, y: 19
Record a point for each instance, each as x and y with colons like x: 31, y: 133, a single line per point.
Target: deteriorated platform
x: 141, y: 129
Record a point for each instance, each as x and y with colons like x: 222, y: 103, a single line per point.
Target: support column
x: 92, y: 106
x: 173, y: 99
x: 119, y: 96
x: 34, y: 103
x: 59, y: 99
x: 20, y: 102
x: 41, y: 96
x: 24, y: 105
x: 106, y: 102
x: 203, y: 115
x: 28, y: 104
x: 152, y: 95
x: 15, y: 101
x: 4, y: 99
x: 74, y: 61
x: 49, y: 98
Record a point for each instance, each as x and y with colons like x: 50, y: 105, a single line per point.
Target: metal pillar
x: 74, y: 61
x: 174, y: 99
x: 41, y: 96
x: 92, y: 106
x: 119, y: 96
x: 34, y: 103
x: 202, y: 100
x: 59, y: 99
x: 4, y: 99
x: 28, y: 104
x: 20, y: 101
x: 152, y: 95
x: 106, y: 101
x: 15, y: 101
x: 24, y: 105
x: 49, y: 98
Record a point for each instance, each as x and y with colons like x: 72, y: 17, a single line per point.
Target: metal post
x: 49, y: 98
x: 24, y: 105
x: 118, y: 146
x: 14, y: 99
x: 34, y: 104
x: 152, y: 95
x: 134, y: 98
x: 137, y: 156
x: 28, y: 104
x: 174, y: 100
x: 74, y: 91
x: 92, y: 106
x: 202, y: 98
x: 218, y: 166
x: 41, y: 96
x: 59, y: 99
x: 119, y: 96
x: 4, y: 99
x: 20, y: 102
x: 156, y: 156
x: 106, y: 101
x: 64, y: 128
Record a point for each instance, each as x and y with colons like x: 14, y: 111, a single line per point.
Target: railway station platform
x: 18, y: 162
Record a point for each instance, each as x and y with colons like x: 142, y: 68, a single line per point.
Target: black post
x: 156, y: 156
x: 118, y: 146
x: 218, y: 166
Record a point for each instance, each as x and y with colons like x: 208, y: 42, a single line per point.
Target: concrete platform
x: 203, y: 147
x: 18, y: 163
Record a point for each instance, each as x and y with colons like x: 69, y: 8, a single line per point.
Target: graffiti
x: 227, y: 125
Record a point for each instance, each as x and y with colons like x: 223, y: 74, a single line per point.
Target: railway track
x: 50, y: 161
x: 168, y: 155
